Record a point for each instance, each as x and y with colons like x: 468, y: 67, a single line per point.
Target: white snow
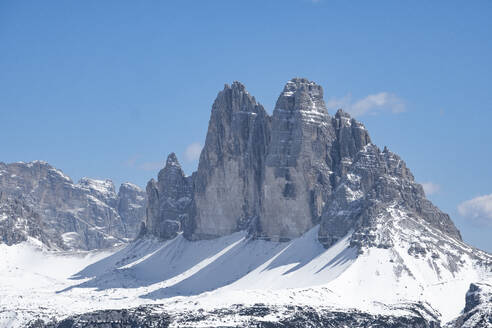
x: 71, y: 239
x: 131, y: 186
x: 105, y: 187
x: 234, y: 269
x: 61, y: 174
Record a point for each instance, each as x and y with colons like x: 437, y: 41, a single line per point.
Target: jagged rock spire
x: 172, y: 160
x: 280, y: 176
x: 169, y: 200
x: 228, y: 180
x: 300, y: 94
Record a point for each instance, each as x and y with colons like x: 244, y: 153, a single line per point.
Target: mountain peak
x: 341, y: 113
x: 235, y: 98
x: 172, y: 160
x: 105, y: 186
x: 236, y: 85
x: 300, y: 94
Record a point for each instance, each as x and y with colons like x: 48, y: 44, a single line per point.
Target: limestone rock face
x: 279, y: 176
x: 299, y: 162
x: 478, y: 307
x: 351, y: 137
x: 169, y: 200
x: 131, y: 207
x: 18, y: 222
x: 83, y: 215
x: 229, y: 177
x: 375, y: 181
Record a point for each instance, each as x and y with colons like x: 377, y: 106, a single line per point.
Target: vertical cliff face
x: 279, y: 176
x: 169, y: 200
x: 299, y: 162
x: 86, y: 215
x: 229, y: 176
x: 131, y: 207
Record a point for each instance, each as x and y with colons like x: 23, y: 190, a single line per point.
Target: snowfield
x: 208, y: 274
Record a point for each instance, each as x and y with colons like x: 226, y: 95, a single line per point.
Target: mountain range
x: 294, y: 219
x: 40, y: 201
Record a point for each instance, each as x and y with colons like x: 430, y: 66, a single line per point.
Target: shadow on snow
x: 185, y: 268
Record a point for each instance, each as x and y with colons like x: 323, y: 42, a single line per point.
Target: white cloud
x: 372, y: 104
x: 132, y: 161
x: 478, y: 209
x: 151, y: 166
x: 430, y: 188
x: 192, y: 152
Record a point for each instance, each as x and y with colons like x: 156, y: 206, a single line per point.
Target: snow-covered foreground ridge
x: 209, y: 274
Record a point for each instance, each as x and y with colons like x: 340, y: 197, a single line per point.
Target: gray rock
x: 257, y: 315
x: 169, y: 200
x: 229, y: 177
x: 131, y: 207
x: 280, y: 176
x: 84, y: 215
x: 18, y: 222
x: 299, y: 162
x: 478, y: 307
x: 374, y: 181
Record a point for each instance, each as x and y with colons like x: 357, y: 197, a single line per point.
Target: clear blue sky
x: 108, y: 88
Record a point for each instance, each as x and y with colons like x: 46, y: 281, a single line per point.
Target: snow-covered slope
x: 292, y: 218
x: 213, y: 274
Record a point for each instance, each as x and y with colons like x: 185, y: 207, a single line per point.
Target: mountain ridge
x: 278, y: 176
x: 294, y: 219
x: 89, y: 214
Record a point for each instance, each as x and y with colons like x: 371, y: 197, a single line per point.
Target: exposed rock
x: 228, y: 180
x: 374, y: 181
x: 131, y: 207
x: 299, y: 162
x: 18, y: 222
x: 258, y: 315
x: 84, y: 215
x: 279, y: 176
x: 478, y: 309
x: 169, y: 200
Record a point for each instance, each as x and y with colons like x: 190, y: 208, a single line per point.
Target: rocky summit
x: 278, y: 176
x: 39, y: 201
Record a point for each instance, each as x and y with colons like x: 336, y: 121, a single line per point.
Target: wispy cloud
x: 150, y: 166
x: 430, y: 188
x: 132, y: 161
x: 192, y: 152
x: 372, y: 104
x: 478, y: 209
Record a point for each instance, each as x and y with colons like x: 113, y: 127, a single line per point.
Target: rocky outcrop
x: 258, y: 315
x: 280, y: 176
x: 131, y: 202
x: 229, y: 177
x: 478, y: 307
x: 372, y: 182
x: 169, y: 205
x: 299, y: 163
x: 83, y: 216
x: 18, y: 222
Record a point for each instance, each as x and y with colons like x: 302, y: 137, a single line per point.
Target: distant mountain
x: 38, y: 200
